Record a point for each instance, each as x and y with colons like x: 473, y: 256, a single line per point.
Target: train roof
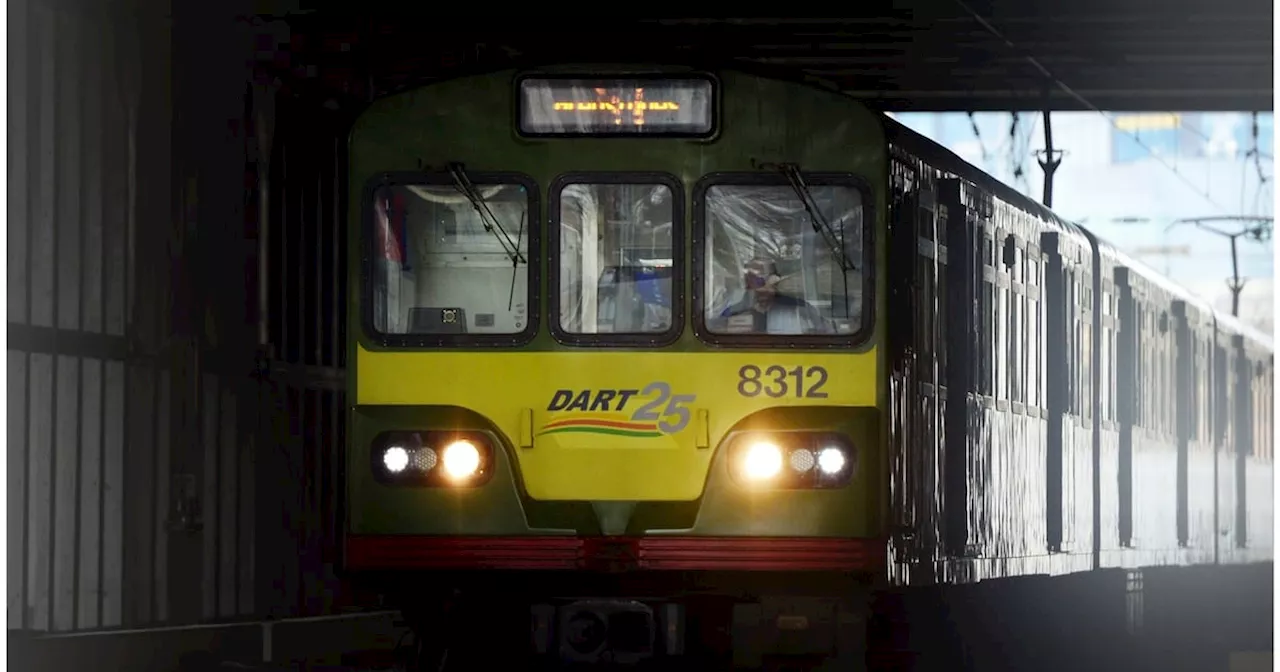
x: 1113, y: 253
x: 944, y: 158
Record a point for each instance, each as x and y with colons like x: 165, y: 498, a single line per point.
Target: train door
x: 918, y: 402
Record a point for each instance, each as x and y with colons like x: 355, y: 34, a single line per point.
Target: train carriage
x: 620, y: 334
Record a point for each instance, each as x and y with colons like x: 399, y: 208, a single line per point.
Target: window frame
x: 646, y: 340
x: 866, y: 326
x: 368, y: 243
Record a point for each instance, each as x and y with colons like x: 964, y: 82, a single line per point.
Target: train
x: 670, y: 363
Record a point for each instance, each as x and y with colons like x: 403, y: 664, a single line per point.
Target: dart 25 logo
x: 645, y: 413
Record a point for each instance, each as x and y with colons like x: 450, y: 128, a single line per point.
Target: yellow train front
x: 614, y: 335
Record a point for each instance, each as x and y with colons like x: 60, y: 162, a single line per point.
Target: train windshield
x: 771, y: 271
x: 446, y: 261
x: 615, y: 261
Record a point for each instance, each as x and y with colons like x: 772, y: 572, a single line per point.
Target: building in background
x: 1129, y: 176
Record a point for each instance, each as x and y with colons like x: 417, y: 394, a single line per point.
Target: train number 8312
x: 776, y: 381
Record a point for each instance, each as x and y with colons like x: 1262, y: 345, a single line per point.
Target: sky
x: 1129, y: 177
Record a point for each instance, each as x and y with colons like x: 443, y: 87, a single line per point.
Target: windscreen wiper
x: 463, y: 184
x: 791, y: 171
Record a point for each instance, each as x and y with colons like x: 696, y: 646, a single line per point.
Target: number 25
x: 676, y: 405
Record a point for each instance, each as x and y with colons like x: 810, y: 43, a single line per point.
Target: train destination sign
x: 639, y: 106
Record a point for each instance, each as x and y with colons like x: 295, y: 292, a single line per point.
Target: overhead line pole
x: 1258, y: 229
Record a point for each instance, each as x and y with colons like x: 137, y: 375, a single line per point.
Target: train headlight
x: 432, y: 459
x: 816, y: 460
x: 831, y: 460
x: 395, y: 459
x: 461, y: 460
x: 761, y: 461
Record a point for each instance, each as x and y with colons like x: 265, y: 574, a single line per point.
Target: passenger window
x: 768, y: 271
x: 615, y: 258
x: 441, y: 267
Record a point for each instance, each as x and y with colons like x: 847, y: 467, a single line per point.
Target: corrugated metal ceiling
x: 922, y: 55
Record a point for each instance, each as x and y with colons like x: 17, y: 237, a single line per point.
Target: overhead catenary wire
x: 1257, y: 153
x: 1085, y: 102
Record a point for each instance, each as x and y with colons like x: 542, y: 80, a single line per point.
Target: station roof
x: 900, y: 55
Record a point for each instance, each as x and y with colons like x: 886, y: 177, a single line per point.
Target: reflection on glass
x: 440, y: 267
x: 770, y: 272
x: 615, y: 258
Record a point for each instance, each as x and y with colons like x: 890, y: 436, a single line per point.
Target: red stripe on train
x: 617, y: 553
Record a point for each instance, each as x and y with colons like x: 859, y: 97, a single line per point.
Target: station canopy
x: 917, y: 55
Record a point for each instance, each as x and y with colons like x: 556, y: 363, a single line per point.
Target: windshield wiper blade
x: 792, y: 172
x: 463, y: 184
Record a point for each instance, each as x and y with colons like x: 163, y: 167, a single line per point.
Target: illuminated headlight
x: 395, y: 459
x: 815, y: 460
x: 432, y: 459
x: 461, y: 460
x: 761, y: 461
x: 831, y: 460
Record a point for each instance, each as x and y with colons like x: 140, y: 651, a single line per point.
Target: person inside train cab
x: 763, y: 309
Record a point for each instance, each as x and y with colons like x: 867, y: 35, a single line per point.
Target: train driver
x: 765, y: 310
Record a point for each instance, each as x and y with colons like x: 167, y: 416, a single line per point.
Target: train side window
x: 1264, y: 410
x: 1204, y: 388
x: 1168, y: 381
x: 1149, y: 376
x: 1035, y: 332
x: 1263, y: 413
x: 940, y: 293
x: 1017, y: 332
x: 1030, y: 318
x: 1086, y: 362
x: 1073, y: 341
x: 1203, y: 376
x: 1086, y: 346
x: 1002, y: 348
x: 986, y: 338
x: 1194, y: 384
x: 926, y: 289
x: 1104, y: 392
x: 1073, y: 325
x: 1220, y: 392
x: 1268, y: 409
x: 1260, y: 401
x: 1168, y: 391
x: 1000, y: 351
x: 1142, y: 319
x: 1107, y: 393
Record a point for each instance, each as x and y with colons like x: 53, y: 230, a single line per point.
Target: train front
x: 613, y: 338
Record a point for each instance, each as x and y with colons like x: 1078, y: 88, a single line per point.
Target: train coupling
x: 608, y: 631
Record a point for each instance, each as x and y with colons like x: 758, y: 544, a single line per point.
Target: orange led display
x: 616, y: 107
x: 628, y: 111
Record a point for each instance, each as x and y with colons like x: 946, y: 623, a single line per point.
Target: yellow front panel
x: 633, y: 444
